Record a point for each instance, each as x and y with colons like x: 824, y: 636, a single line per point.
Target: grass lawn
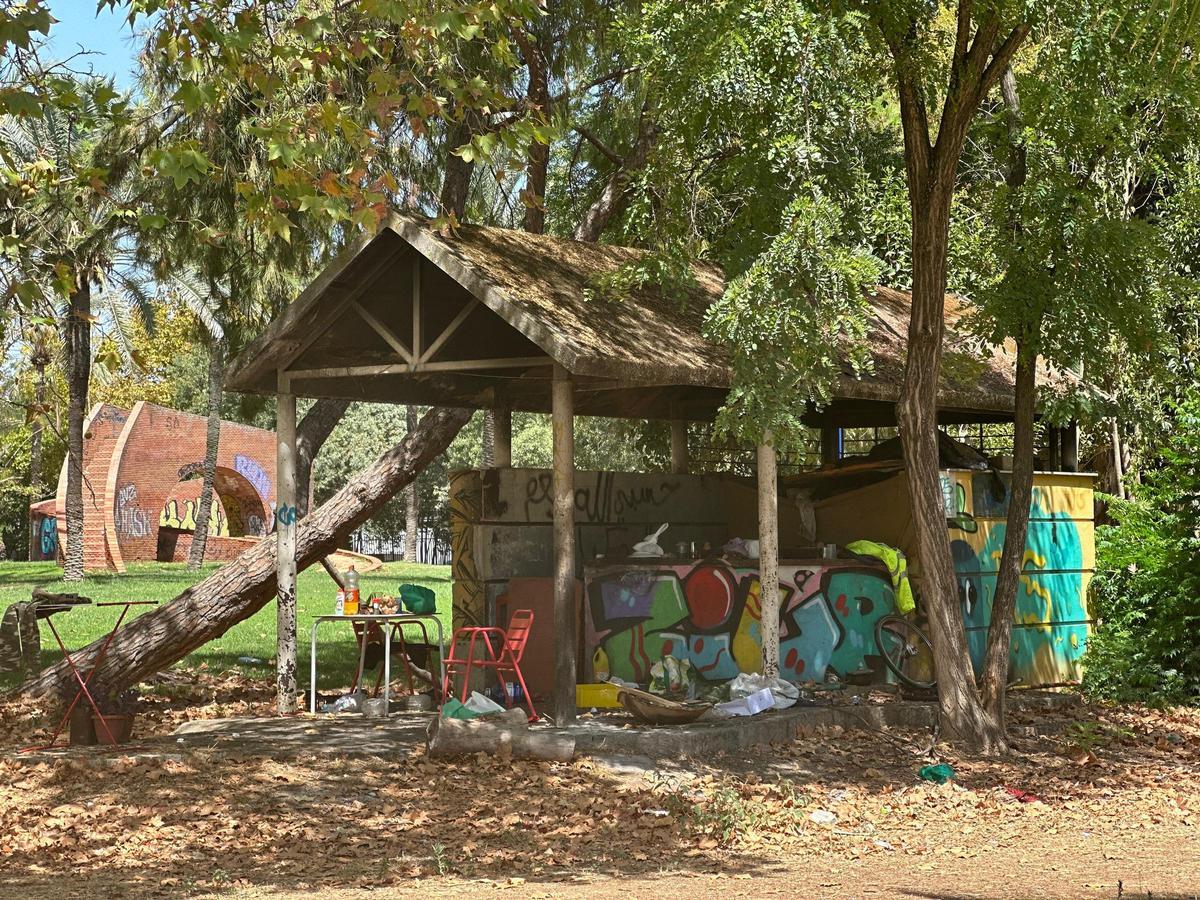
x: 255, y: 637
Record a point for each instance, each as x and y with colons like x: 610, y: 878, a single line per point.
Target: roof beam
x: 383, y: 331
x: 458, y: 365
x: 449, y: 330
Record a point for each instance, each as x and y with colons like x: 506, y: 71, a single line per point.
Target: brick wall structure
x: 143, y: 472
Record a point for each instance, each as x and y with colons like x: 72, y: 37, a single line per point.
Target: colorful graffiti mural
x: 1051, y: 620
x: 710, y: 613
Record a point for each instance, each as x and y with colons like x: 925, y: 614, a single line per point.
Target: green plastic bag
x: 456, y: 709
x: 417, y: 599
x: 939, y: 774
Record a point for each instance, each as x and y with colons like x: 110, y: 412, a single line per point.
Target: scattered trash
x: 657, y: 813
x: 672, y: 676
x: 375, y: 708
x: 252, y: 661
x: 882, y: 845
x: 348, y: 703
x: 939, y: 774
x: 784, y: 692
x: 649, y: 545
x: 749, y: 705
x: 838, y: 795
x: 822, y: 817
x: 1023, y: 796
x: 481, y: 705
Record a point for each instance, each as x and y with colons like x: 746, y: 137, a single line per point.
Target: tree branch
x: 600, y: 145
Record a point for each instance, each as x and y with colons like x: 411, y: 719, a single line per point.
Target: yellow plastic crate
x: 601, y: 696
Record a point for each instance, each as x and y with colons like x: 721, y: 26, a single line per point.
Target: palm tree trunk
x: 216, y: 361
x: 78, y: 339
x: 412, y: 510
x: 35, y: 443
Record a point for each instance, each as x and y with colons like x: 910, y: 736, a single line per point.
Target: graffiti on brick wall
x: 181, y: 514
x: 131, y: 520
x: 710, y: 614
x: 48, y: 537
x: 248, y: 468
x: 470, y: 603
x: 1051, y: 615
x: 607, y: 498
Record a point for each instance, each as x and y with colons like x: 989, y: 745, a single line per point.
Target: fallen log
x: 507, y: 740
x: 242, y: 587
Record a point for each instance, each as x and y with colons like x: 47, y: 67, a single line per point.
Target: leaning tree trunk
x: 312, y: 432
x: 615, y: 195
x: 216, y: 358
x: 40, y: 359
x: 456, y: 182
x: 240, y: 588
x: 78, y: 338
x: 1008, y: 578
x: 412, y: 519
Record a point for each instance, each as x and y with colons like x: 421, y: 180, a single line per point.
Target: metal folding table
x: 390, y: 623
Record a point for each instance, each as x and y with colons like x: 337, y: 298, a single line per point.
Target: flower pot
x: 120, y: 726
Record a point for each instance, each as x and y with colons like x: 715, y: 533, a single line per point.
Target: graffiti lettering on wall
x: 182, y: 515
x: 470, y: 603
x: 601, y: 501
x: 48, y: 537
x: 710, y: 614
x: 248, y: 468
x: 254, y: 526
x: 130, y: 518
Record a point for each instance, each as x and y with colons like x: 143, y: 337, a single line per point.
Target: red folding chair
x: 507, y: 661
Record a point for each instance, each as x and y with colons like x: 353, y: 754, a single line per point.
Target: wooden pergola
x: 498, y: 319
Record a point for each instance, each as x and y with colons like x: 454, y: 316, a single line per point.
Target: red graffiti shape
x: 709, y: 593
x: 842, y: 606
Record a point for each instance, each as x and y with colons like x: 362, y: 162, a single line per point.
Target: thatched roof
x: 643, y: 354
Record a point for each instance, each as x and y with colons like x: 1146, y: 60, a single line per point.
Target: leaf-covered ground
x: 1098, y: 797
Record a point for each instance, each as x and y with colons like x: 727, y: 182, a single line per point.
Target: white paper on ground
x: 749, y: 705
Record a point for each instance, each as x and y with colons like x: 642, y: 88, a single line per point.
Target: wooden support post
x: 768, y: 555
x: 679, y: 447
x: 285, y: 552
x: 1070, y: 447
x: 829, y: 445
x: 563, y: 424
x: 1054, y: 439
x: 502, y: 438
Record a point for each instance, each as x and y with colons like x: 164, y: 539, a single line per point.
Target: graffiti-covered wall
x: 501, y: 522
x: 1051, y: 623
x: 710, y: 613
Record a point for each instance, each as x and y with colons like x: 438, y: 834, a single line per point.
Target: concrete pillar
x: 768, y: 554
x: 563, y: 428
x: 502, y: 438
x: 680, y: 460
x: 285, y: 552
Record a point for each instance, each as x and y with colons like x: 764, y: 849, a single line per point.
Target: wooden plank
x: 383, y: 331
x: 449, y: 330
x: 768, y: 555
x: 285, y: 554
x: 563, y: 431
x: 416, y: 307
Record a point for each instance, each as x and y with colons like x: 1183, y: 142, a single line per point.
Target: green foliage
x: 1147, y: 591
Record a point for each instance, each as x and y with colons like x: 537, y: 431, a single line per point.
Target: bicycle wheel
x: 906, y: 651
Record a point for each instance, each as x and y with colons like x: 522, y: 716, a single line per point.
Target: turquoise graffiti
x: 710, y: 614
x: 1051, y: 620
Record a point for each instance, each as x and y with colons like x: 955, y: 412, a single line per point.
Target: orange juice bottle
x: 350, y: 605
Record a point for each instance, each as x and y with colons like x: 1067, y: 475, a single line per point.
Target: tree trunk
x: 78, y: 338
x: 216, y: 362
x: 40, y: 360
x: 1008, y: 577
x: 962, y: 716
x: 237, y: 590
x: 615, y: 196
x: 312, y: 432
x: 487, y: 449
x: 412, y: 518
x: 456, y: 182
x: 458, y: 737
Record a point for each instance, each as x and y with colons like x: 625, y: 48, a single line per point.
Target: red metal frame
x: 83, y: 682
x: 508, y: 661
x: 364, y: 634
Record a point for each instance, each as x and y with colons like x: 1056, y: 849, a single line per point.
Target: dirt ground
x: 1093, y: 802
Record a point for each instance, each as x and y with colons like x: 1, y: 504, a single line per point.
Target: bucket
x: 119, y: 725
